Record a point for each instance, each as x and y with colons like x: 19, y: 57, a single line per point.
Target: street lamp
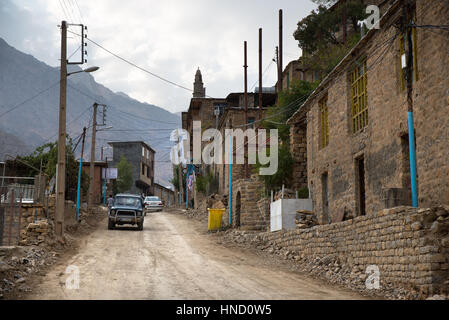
x: 61, y: 166
x: 90, y: 69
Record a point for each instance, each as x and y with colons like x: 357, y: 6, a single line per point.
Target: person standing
x: 110, y: 202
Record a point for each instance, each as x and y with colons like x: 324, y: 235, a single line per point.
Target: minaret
x: 198, y: 89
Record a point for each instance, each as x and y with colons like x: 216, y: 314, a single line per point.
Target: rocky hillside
x: 32, y: 87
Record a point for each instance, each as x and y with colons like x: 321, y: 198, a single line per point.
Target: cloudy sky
x: 171, y: 38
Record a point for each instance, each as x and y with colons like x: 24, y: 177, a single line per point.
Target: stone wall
x: 246, y: 213
x: 298, y: 149
x: 382, y: 146
x: 409, y: 246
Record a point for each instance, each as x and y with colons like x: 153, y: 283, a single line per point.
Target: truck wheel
x: 140, y: 226
x: 111, y: 225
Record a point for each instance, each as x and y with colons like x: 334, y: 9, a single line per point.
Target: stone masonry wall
x: 409, y: 246
x: 252, y: 215
x: 383, y: 143
x: 298, y: 148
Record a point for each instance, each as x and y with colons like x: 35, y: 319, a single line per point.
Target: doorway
x: 360, y: 179
x: 325, y: 197
x: 238, y: 205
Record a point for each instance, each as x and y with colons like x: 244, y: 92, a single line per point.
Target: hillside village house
x: 141, y: 156
x: 234, y: 116
x: 352, y: 132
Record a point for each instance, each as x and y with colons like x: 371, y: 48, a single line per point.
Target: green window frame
x: 359, y: 106
x: 324, y: 123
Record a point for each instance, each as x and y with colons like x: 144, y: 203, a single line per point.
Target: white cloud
x: 170, y: 38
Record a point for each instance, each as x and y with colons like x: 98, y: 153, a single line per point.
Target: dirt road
x: 174, y: 258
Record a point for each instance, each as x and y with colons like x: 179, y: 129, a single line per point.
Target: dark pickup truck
x: 127, y: 209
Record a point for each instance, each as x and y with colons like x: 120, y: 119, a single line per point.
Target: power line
x: 63, y: 10
x: 29, y: 99
x: 138, y: 67
x: 428, y: 26
x: 263, y: 74
x: 118, y: 109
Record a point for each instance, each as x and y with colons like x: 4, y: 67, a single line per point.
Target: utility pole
x: 344, y: 22
x: 260, y: 68
x: 78, y: 193
x: 92, y: 159
x: 181, y: 194
x: 281, y: 50
x: 278, y: 69
x: 60, y: 183
x: 245, y: 98
x: 230, y: 155
x: 407, y: 16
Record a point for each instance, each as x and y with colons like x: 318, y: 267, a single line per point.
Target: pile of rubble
x: 18, y: 264
x: 305, y: 219
x: 288, y: 194
x: 36, y: 233
x: 215, y: 201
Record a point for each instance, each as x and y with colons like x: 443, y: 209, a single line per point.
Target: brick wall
x: 409, y: 246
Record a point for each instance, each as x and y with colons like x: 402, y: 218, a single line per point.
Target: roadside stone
x: 416, y: 226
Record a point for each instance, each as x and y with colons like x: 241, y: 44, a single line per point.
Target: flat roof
x: 131, y: 142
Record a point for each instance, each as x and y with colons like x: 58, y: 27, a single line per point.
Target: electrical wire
x: 29, y: 99
x: 263, y: 74
x: 137, y: 66
x: 118, y: 109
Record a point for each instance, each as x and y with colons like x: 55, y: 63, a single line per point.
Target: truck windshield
x: 128, y: 201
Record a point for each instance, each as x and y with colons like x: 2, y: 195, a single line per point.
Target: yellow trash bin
x: 215, y: 216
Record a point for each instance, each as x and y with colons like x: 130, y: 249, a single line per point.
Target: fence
x: 22, y: 186
x: 10, y: 217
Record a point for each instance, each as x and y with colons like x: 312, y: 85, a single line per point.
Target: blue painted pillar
x: 411, y: 140
x: 230, y: 181
x: 78, y: 191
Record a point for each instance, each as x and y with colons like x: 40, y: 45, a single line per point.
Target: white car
x: 153, y: 203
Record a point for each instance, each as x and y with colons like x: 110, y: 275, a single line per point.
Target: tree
x: 317, y: 33
x: 284, y: 173
x: 276, y: 117
x: 174, y: 181
x: 289, y: 101
x: 48, y: 155
x: 125, y: 175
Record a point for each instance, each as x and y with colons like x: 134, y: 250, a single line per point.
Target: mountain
x: 33, y: 88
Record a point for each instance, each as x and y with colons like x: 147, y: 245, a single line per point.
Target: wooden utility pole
x: 92, y: 159
x: 245, y: 99
x: 260, y: 68
x: 344, y: 21
x: 281, y: 50
x: 278, y: 69
x: 60, y: 174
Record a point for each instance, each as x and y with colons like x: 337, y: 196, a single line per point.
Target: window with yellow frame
x: 359, y: 107
x: 324, y: 124
x: 403, y: 51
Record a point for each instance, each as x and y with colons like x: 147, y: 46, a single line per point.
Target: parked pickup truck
x: 127, y: 209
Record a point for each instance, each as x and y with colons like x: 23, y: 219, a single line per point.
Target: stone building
x: 234, y: 117
x: 166, y: 194
x: 353, y: 128
x: 201, y: 108
x: 141, y: 156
